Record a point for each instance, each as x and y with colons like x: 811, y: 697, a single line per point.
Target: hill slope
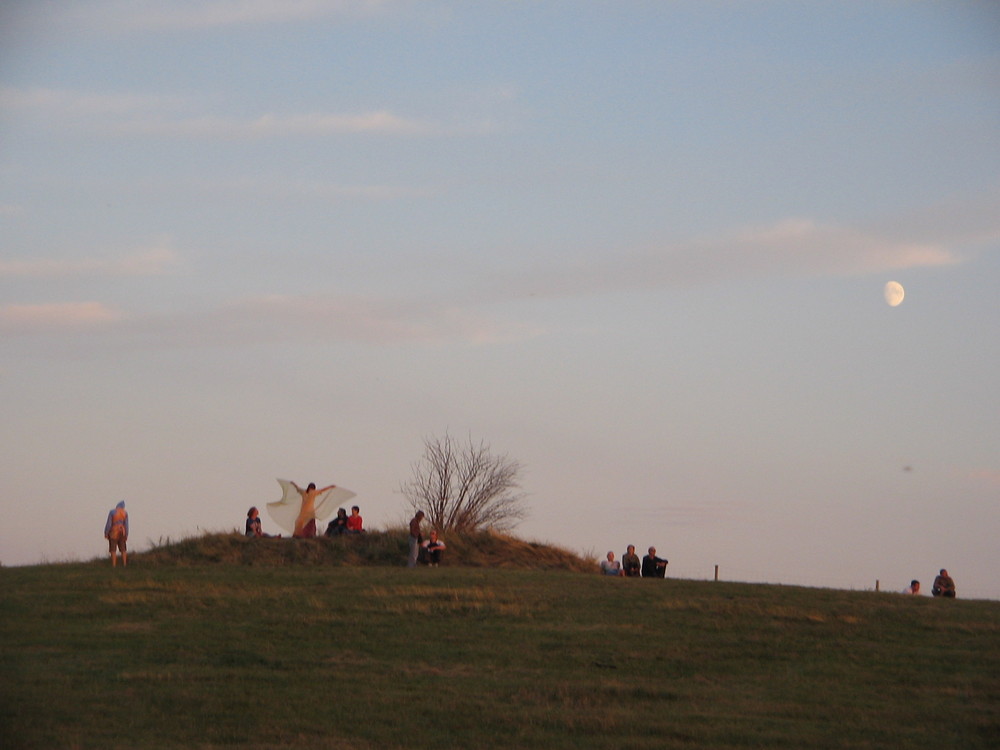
x: 479, y: 550
x: 222, y: 654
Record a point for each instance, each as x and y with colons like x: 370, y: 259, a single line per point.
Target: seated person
x: 354, y: 522
x: 913, y: 588
x: 253, y: 524
x: 611, y: 567
x: 630, y: 562
x: 653, y: 566
x: 943, y: 585
x: 338, y: 525
x: 433, y: 548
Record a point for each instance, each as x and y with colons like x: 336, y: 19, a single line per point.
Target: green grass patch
x: 219, y: 642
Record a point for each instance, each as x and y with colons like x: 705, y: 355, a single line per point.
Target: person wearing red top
x: 354, y: 521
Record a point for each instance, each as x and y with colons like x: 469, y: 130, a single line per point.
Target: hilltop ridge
x: 481, y: 549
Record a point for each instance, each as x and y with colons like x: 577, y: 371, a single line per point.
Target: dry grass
x: 482, y: 549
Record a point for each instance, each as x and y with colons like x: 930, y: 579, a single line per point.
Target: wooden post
x: 716, y: 572
x: 876, y: 584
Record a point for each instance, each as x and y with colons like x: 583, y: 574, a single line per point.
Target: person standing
x: 415, y: 539
x: 653, y: 566
x: 116, y: 532
x: 305, y: 524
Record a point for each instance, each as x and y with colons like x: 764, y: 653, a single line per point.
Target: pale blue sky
x: 638, y: 246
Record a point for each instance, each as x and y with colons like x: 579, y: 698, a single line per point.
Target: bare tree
x: 464, y: 487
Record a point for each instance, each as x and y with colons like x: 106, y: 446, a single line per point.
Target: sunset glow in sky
x: 639, y: 247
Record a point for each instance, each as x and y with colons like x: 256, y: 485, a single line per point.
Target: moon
x: 894, y: 293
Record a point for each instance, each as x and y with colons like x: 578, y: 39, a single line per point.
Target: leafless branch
x: 465, y: 487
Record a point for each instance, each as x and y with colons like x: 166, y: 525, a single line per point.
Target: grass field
x: 221, y: 643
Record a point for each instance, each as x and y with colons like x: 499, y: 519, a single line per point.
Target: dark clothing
x: 943, y: 586
x: 631, y: 565
x: 337, y: 526
x: 654, y: 567
x: 253, y: 527
x: 434, y: 552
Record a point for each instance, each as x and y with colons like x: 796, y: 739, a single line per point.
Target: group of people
x: 429, y: 550
x: 630, y: 566
x: 420, y: 550
x: 346, y: 524
x: 305, y: 523
x: 341, y: 524
x: 943, y: 586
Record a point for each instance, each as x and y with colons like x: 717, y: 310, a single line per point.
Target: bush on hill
x: 481, y: 549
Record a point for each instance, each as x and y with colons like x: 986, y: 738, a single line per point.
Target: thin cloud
x: 167, y: 116
x: 380, y: 122
x: 82, y: 104
x: 321, y: 190
x: 685, y: 515
x: 56, y: 317
x: 266, y: 320
x: 989, y: 477
x: 187, y: 15
x: 805, y: 247
x: 365, y: 320
x: 153, y: 261
x: 791, y: 248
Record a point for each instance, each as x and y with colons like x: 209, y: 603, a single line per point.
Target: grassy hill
x: 480, y: 550
x: 224, y: 642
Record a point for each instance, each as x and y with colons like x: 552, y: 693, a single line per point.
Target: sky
x: 638, y: 247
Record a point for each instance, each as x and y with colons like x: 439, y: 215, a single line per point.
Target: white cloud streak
x: 321, y: 318
x: 167, y: 117
x: 274, y: 126
x: 264, y: 320
x: 82, y: 104
x: 279, y: 188
x: 789, y: 248
x: 61, y: 317
x: 153, y: 261
x: 128, y: 16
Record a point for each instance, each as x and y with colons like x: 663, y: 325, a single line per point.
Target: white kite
x: 297, y: 507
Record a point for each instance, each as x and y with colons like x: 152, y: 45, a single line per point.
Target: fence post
x: 876, y: 584
x: 716, y: 572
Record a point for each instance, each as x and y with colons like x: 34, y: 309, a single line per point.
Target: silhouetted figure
x: 943, y: 585
x: 116, y: 532
x: 653, y: 566
x: 631, y: 563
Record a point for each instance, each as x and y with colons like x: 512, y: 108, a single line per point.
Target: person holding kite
x: 299, y: 510
x: 305, y: 524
